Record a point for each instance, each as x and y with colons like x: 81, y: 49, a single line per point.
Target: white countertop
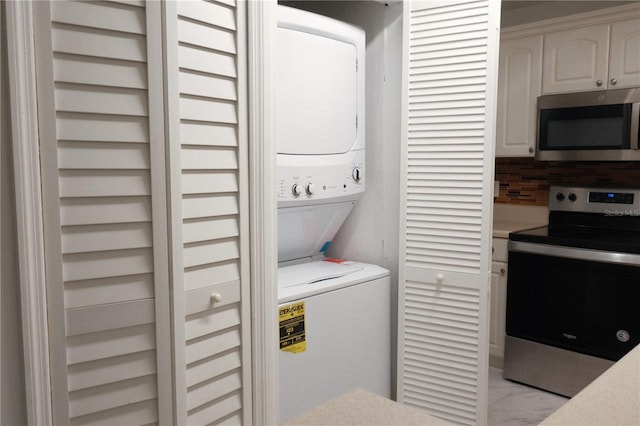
x: 361, y: 407
x: 511, y: 217
x: 611, y: 399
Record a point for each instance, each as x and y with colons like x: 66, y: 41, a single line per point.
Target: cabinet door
x: 497, y: 313
x: 624, y: 60
x: 576, y: 60
x: 518, y: 90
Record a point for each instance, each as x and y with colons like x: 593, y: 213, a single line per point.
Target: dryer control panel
x: 305, y: 183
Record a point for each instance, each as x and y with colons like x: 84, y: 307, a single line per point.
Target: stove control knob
x: 572, y: 197
x: 560, y: 196
x: 623, y: 335
x: 296, y: 190
x: 311, y: 188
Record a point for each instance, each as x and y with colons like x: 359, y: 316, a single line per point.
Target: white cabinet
x: 624, y: 53
x: 498, y: 311
x: 518, y: 89
x: 575, y: 59
x: 604, y: 56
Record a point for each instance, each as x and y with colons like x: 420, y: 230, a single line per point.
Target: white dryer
x: 320, y: 136
x: 334, y: 314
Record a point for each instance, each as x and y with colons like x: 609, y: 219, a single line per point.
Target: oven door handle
x: 575, y: 253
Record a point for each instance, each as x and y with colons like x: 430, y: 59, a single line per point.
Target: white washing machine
x: 346, y: 329
x: 334, y: 314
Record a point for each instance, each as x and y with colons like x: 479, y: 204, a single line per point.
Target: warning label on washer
x: 292, y: 330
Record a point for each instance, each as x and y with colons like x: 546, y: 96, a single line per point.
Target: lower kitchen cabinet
x: 498, y: 302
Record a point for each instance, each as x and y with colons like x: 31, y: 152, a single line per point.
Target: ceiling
x: 515, y: 12
x: 509, y: 5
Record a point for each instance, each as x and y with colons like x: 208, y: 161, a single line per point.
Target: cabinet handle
x: 502, y: 271
x: 216, y: 297
x: 530, y: 150
x: 598, y: 83
x: 614, y: 81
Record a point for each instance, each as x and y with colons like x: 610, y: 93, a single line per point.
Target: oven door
x: 581, y: 300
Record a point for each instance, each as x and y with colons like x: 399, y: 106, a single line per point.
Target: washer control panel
x: 320, y: 183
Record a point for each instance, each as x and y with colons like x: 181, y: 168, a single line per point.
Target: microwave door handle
x: 635, y: 125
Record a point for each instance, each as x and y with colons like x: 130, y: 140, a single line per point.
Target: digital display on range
x: 611, y: 197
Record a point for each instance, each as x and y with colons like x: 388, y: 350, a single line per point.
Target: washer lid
x: 367, y: 273
x: 313, y: 272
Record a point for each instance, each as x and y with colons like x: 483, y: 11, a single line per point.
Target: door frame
x: 261, y: 29
x: 31, y: 255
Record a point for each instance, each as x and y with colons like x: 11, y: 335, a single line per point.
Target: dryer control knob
x: 311, y: 188
x: 296, y: 189
x: 356, y: 174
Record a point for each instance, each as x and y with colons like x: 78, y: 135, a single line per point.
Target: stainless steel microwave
x: 589, y: 126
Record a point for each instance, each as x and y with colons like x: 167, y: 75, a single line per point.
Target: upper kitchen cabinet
x: 518, y: 89
x: 575, y: 59
x: 624, y: 56
x: 604, y: 56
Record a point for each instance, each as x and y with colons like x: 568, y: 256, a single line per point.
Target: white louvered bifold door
x: 143, y: 123
x: 206, y: 68
x: 449, y: 99
x: 104, y: 199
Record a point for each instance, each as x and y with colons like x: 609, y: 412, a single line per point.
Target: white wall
x: 12, y: 387
x: 391, y: 154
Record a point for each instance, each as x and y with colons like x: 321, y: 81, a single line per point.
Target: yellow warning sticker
x: 292, y: 330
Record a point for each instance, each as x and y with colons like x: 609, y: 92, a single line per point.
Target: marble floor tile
x: 513, y: 404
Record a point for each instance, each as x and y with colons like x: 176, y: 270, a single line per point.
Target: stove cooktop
x: 595, y: 239
x: 590, y: 218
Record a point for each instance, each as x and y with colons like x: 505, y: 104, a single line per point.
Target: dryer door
x: 316, y: 96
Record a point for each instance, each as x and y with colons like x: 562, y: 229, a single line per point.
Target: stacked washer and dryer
x: 334, y: 313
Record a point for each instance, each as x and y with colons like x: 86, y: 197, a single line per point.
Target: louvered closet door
x: 449, y: 96
x: 207, y: 99
x: 102, y: 152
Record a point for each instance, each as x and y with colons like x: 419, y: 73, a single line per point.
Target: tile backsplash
x: 526, y: 181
